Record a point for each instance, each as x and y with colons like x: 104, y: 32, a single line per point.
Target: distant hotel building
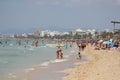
x: 83, y: 32
x: 42, y: 33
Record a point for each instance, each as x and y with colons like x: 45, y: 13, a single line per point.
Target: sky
x: 26, y: 16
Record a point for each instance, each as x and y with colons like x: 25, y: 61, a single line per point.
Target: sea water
x: 14, y: 57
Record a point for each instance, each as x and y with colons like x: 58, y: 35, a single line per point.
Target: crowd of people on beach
x: 81, y: 44
x: 98, y: 45
x: 107, y: 45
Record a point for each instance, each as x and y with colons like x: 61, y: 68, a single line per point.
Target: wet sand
x: 94, y: 65
x: 102, y: 65
x: 53, y: 71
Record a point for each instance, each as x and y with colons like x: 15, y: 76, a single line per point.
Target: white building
x: 80, y: 32
x: 38, y: 32
x: 53, y: 33
x: 65, y: 33
x: 106, y: 30
x: 92, y: 32
x: 42, y: 34
x: 24, y: 35
x: 47, y: 32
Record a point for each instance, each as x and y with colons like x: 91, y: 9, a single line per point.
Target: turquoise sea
x: 16, y: 58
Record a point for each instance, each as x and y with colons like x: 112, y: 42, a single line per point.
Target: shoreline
x: 94, y: 65
x: 101, y: 65
x: 41, y: 71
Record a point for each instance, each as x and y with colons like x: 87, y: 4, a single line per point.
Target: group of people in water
x: 81, y: 44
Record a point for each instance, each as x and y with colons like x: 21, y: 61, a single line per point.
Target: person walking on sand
x: 79, y: 49
x: 83, y: 45
x: 79, y: 55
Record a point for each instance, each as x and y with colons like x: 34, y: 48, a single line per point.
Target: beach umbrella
x: 109, y: 43
x: 106, y: 42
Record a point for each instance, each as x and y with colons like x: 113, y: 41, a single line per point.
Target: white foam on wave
x: 11, y: 75
x: 31, y: 49
x: 42, y: 46
x: 72, y: 51
x: 58, y: 60
x: 45, y: 64
x: 10, y: 44
x: 66, y: 56
x: 29, y: 69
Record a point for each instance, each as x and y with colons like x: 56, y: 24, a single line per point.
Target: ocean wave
x: 45, y: 63
x: 58, y: 60
x: 66, y: 56
x: 11, y: 75
x: 29, y: 69
x: 52, y: 61
x: 72, y: 51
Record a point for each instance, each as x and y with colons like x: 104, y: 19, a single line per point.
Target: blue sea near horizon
x: 15, y: 57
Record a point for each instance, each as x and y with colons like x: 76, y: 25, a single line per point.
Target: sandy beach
x: 102, y: 65
x: 94, y: 65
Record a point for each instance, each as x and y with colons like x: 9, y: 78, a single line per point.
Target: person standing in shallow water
x: 59, y: 53
x: 36, y: 43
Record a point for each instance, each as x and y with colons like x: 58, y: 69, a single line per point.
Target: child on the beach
x: 79, y: 55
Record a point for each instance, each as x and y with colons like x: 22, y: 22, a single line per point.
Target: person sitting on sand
x: 97, y: 47
x: 103, y: 46
x: 108, y: 47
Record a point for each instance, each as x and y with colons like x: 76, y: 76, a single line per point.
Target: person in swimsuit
x: 59, y: 53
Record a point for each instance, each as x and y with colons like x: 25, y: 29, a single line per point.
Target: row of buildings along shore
x: 43, y: 33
